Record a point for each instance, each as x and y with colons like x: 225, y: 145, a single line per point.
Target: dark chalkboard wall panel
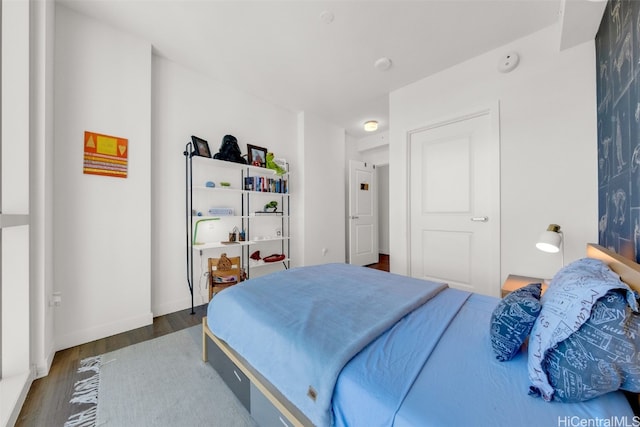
x: 618, y: 93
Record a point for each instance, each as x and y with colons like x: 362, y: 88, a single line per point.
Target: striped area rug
x: 161, y: 382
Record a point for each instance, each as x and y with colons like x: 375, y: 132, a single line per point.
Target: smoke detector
x: 508, y: 62
x: 382, y: 64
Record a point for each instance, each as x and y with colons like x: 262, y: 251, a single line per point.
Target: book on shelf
x: 266, y: 184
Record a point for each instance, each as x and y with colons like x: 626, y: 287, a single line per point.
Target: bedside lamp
x: 551, y: 240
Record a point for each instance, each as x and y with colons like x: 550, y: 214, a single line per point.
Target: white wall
x: 101, y: 224
x: 374, y: 149
x: 41, y: 189
x: 15, y: 345
x: 120, y: 246
x: 321, y: 151
x: 187, y: 103
x: 382, y: 174
x: 548, y: 145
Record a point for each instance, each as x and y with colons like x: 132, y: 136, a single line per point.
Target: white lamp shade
x: 550, y: 240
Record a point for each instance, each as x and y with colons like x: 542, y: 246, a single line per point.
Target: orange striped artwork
x: 105, y: 155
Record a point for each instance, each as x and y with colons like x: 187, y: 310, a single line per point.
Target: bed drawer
x: 235, y: 379
x: 264, y: 413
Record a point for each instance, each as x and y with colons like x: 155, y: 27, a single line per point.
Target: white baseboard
x: 42, y: 369
x: 106, y: 330
x: 178, y: 305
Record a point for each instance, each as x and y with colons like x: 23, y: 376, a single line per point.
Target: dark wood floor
x: 47, y: 403
x: 382, y: 264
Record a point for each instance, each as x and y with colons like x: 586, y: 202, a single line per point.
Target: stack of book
x: 266, y: 184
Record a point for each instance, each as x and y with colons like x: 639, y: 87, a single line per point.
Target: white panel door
x: 363, y: 214
x: 454, y: 204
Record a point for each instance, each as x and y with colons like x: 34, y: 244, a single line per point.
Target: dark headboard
x: 618, y: 92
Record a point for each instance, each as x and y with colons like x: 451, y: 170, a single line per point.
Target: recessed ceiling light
x: 371, y: 126
x: 382, y: 64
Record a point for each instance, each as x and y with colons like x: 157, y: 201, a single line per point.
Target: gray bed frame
x: 267, y: 406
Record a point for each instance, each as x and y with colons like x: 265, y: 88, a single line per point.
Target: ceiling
x: 292, y: 54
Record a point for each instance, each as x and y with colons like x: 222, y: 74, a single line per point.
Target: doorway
x: 382, y: 194
x: 363, y: 213
x: 454, y: 203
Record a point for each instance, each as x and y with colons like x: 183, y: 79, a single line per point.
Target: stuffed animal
x: 230, y: 151
x: 224, y: 263
x: 271, y: 164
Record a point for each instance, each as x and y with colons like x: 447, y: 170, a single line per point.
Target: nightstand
x: 514, y: 282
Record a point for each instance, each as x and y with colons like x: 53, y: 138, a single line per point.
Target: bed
x: 349, y: 346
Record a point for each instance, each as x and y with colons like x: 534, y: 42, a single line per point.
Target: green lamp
x: 195, y: 229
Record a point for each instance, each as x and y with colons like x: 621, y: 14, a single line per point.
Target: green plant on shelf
x: 272, y: 206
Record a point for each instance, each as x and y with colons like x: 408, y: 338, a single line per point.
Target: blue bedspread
x: 436, y: 368
x: 299, y: 327
x: 463, y: 384
x: 373, y: 385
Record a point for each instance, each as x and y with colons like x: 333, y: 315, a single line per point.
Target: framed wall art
x: 200, y: 147
x: 257, y: 155
x: 105, y: 155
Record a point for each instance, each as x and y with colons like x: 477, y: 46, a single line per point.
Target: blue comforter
x: 300, y: 327
x: 373, y: 385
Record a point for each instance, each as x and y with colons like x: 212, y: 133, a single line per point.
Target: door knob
x: 480, y: 218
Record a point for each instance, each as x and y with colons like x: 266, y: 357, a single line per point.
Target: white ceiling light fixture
x: 371, y: 126
x: 382, y: 64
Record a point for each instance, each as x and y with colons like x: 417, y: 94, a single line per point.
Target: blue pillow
x: 601, y: 356
x: 566, y: 306
x: 512, y: 320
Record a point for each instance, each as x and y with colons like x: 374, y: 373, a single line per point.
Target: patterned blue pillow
x: 512, y: 320
x: 600, y: 357
x: 566, y: 305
